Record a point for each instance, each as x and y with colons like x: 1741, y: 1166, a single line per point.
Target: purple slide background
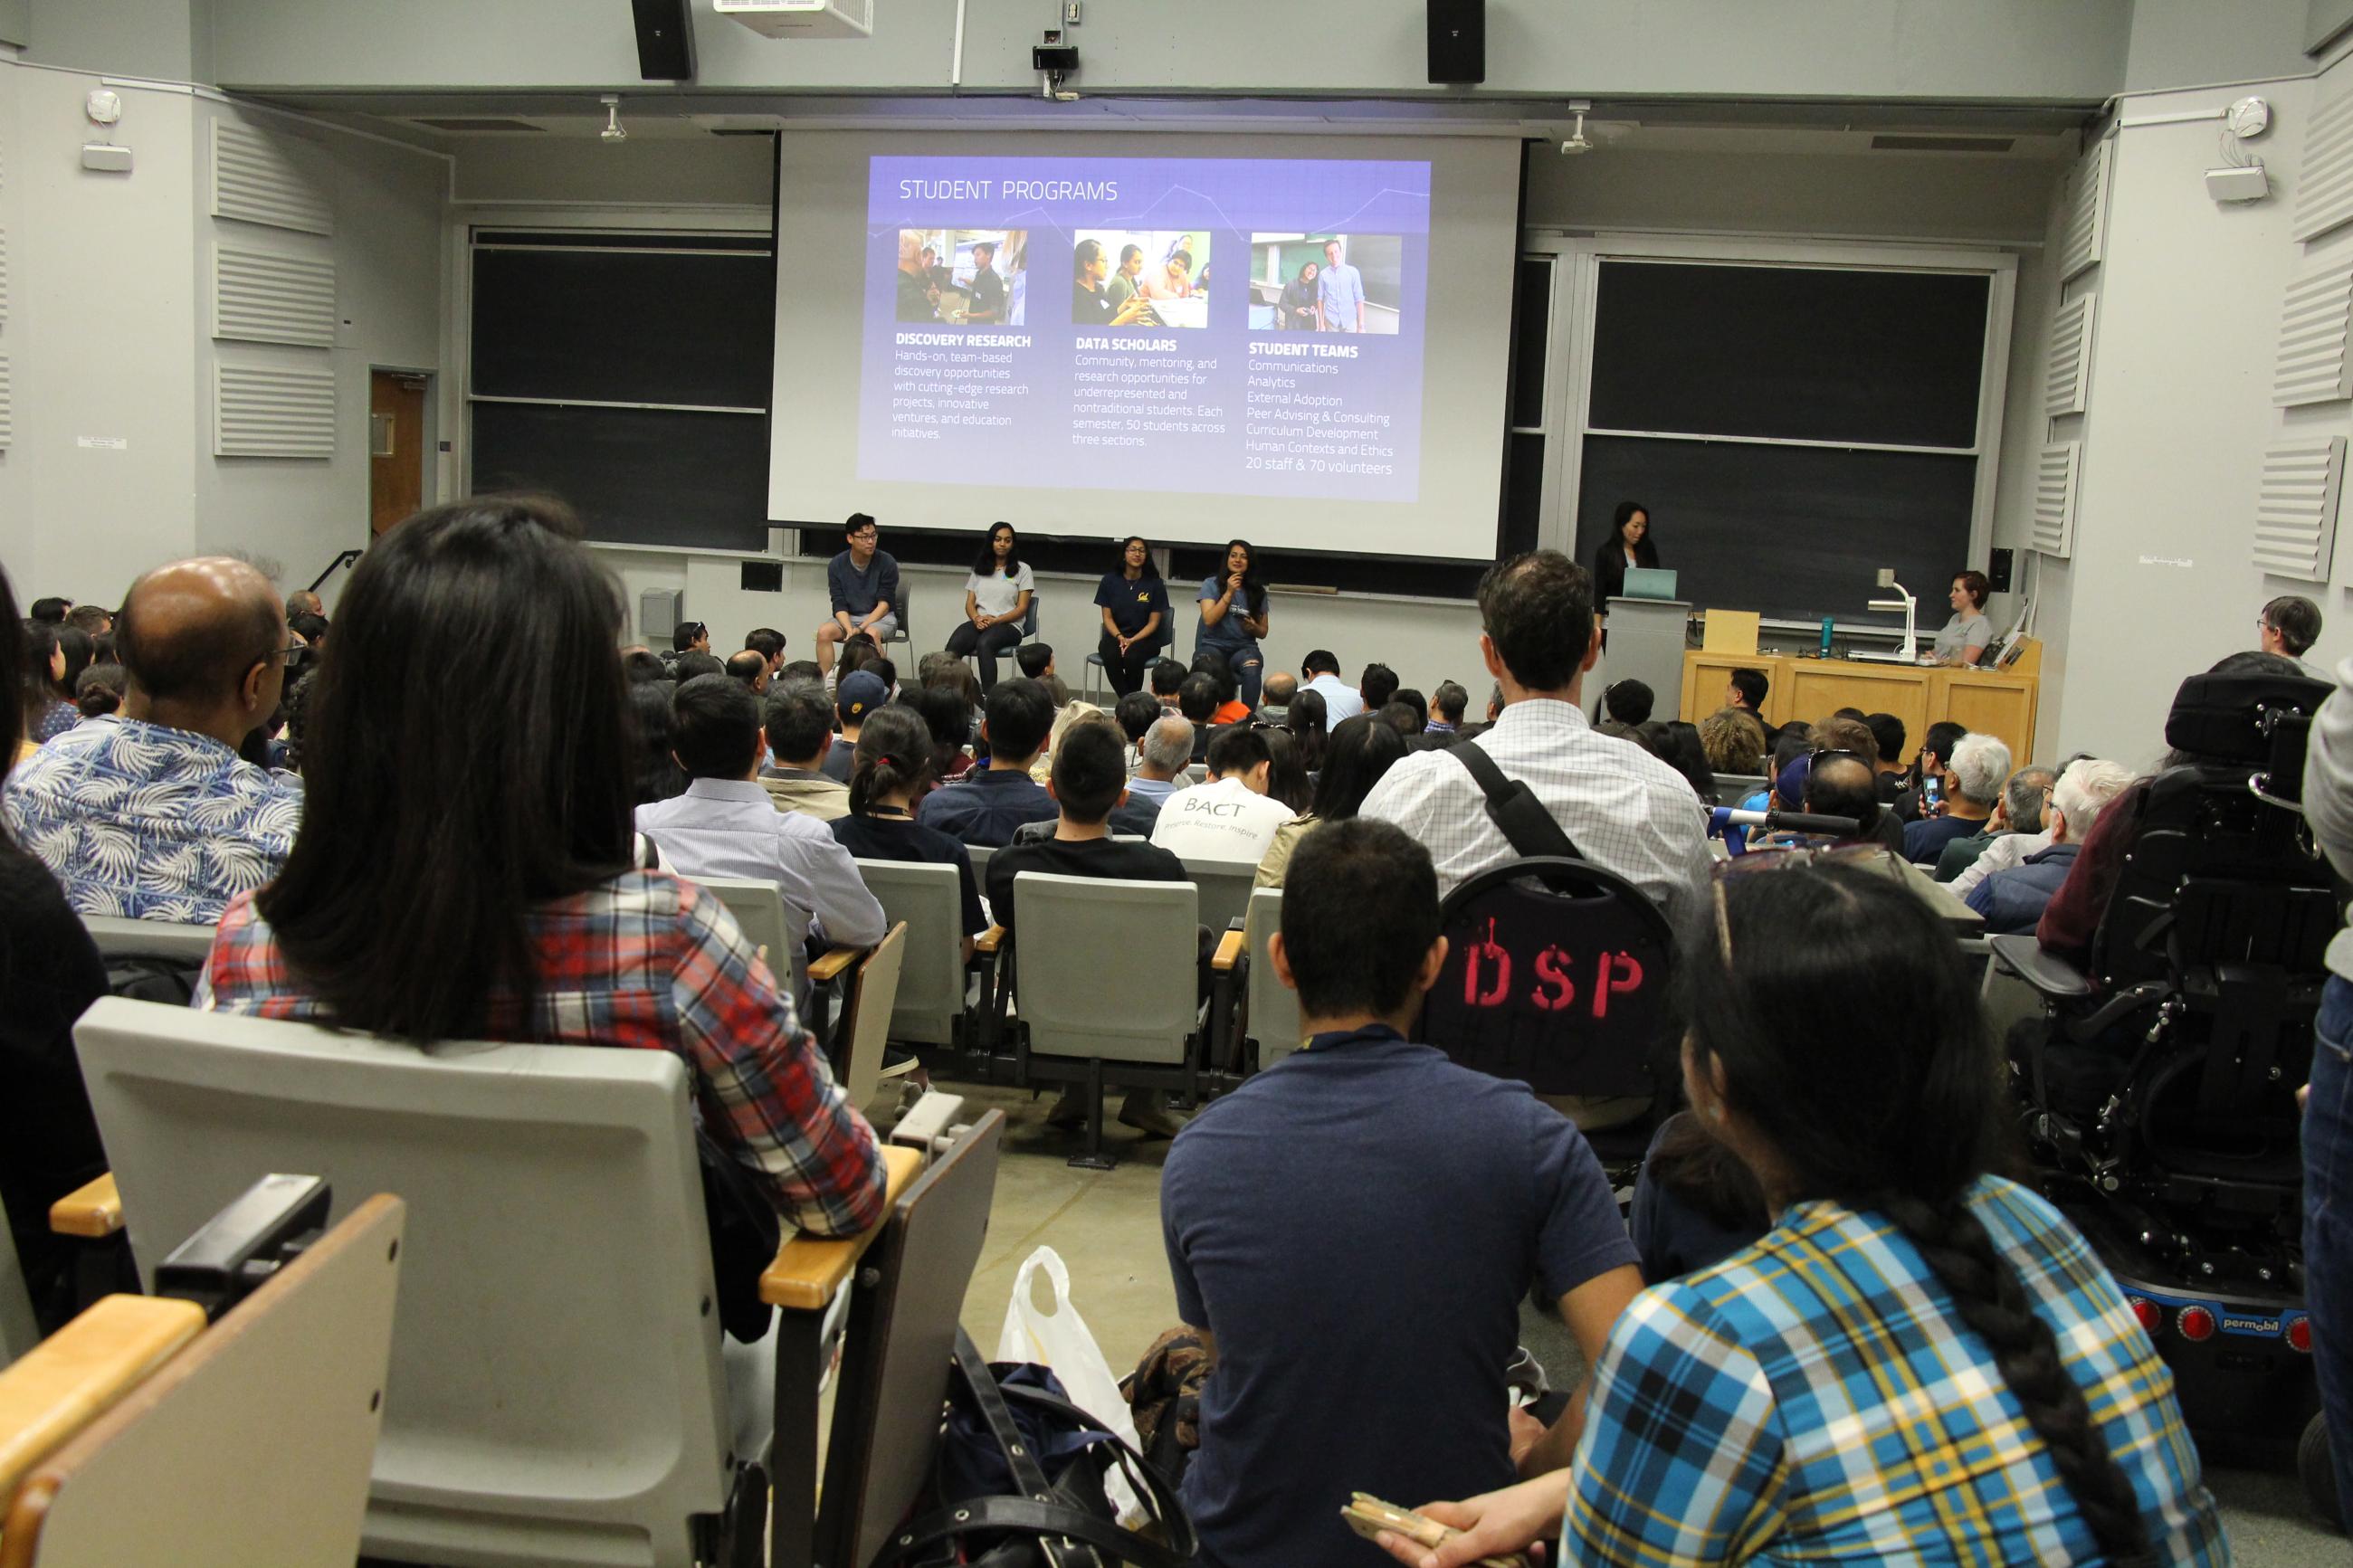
x: 1227, y: 198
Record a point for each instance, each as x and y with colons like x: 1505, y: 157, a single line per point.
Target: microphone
x: 1786, y: 821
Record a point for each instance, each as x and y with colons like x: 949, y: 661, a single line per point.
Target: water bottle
x: 1826, y: 636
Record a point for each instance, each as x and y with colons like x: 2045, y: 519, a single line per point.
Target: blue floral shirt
x: 152, y: 823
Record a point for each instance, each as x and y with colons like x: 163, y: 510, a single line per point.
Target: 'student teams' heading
x: 1008, y: 189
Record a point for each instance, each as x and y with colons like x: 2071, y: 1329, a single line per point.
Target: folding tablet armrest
x: 2049, y: 974
x: 93, y: 1209
x: 1229, y: 954
x: 824, y: 971
x: 809, y: 1269
x: 74, y: 1375
x: 988, y: 941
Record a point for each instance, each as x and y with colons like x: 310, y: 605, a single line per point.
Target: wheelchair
x: 2158, y: 1091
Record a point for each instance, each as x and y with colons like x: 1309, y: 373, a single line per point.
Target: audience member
x: 1971, y: 784
x: 1309, y: 723
x: 517, y: 914
x: 1286, y: 777
x: 1302, y: 1187
x: 149, y: 812
x: 1447, y: 702
x: 800, y: 733
x: 51, y: 612
x: 694, y: 662
x: 1746, y: 692
x: 2012, y: 899
x: 690, y: 637
x: 1627, y: 701
x: 1133, y: 817
x: 2015, y: 828
x: 1275, y: 695
x: 2288, y: 627
x: 798, y: 672
x: 1321, y: 672
x: 1732, y: 740
x: 1910, y: 804
x: 1161, y: 759
x: 1419, y: 703
x: 1168, y: 678
x: 50, y: 974
x: 1362, y: 751
x: 1231, y: 708
x: 1494, y: 711
x: 1227, y: 816
x: 642, y: 666
x: 657, y: 775
x: 725, y: 825
x: 99, y: 690
x: 1089, y: 783
x: 1135, y: 714
x: 1911, y: 1304
x: 1888, y: 733
x: 1677, y: 744
x: 769, y: 643
x: 1035, y: 660
x: 1377, y: 686
x: 986, y: 807
x: 310, y: 630
x: 949, y: 719
x: 855, y: 696
x: 1197, y: 699
x: 748, y: 669
x: 892, y: 770
x: 1628, y: 813
x: 1400, y: 717
x: 55, y: 657
x: 1842, y: 783
x: 862, y: 587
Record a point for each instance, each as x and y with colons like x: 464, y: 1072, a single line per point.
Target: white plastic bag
x: 1059, y: 1339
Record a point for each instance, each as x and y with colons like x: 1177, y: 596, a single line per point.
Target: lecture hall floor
x: 1106, y: 1225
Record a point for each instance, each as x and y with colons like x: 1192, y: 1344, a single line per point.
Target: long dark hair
x: 432, y: 828
x: 1646, y: 554
x: 1308, y: 719
x: 985, y: 563
x: 1151, y: 567
x: 37, y: 646
x: 1253, y: 594
x: 1287, y: 779
x: 654, y: 773
x: 1362, y: 750
x: 13, y: 651
x: 1899, y: 1121
x: 895, y: 753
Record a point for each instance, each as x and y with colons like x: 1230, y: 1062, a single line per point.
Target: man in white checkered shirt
x: 1625, y: 810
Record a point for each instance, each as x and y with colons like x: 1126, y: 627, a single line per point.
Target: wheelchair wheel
x: 2315, y: 1468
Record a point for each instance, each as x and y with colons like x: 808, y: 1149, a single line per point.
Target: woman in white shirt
x: 996, y: 599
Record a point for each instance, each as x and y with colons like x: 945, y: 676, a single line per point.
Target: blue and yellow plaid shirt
x: 1814, y: 1397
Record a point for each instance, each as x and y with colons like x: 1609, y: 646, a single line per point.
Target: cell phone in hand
x: 1369, y: 1516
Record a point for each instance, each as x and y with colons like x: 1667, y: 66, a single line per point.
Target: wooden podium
x: 1998, y: 703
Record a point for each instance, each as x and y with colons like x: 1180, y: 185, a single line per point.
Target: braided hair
x: 1901, y: 1122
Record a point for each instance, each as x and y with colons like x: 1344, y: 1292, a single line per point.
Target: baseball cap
x: 858, y: 695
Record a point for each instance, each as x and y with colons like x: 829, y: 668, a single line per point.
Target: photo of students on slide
x: 1327, y: 282
x: 1141, y: 278
x: 964, y: 277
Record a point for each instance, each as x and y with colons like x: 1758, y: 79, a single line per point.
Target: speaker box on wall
x: 665, y: 39
x: 1998, y: 571
x: 1458, y: 40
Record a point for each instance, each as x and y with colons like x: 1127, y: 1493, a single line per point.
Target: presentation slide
x: 1237, y: 326
x: 1307, y: 346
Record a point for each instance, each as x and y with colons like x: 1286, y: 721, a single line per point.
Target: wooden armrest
x: 988, y: 941
x: 1229, y: 954
x: 835, y: 959
x: 809, y: 1269
x: 94, y: 1209
x: 71, y: 1378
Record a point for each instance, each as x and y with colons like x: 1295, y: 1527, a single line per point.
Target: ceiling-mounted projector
x: 802, y: 18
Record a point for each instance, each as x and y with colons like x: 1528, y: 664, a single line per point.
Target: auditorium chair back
x: 556, y: 1391
x: 929, y: 902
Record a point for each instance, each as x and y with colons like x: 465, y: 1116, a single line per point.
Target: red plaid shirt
x: 647, y: 961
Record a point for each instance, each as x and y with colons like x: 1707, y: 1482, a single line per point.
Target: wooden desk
x: 1995, y: 702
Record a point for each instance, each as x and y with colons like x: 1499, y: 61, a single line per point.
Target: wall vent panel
x: 268, y: 297
x: 273, y: 411
x: 2067, y: 383
x: 7, y: 408
x: 2087, y: 212
x: 2296, y: 513
x: 2324, y: 192
x: 257, y: 180
x: 2311, y: 365
x: 2056, y: 476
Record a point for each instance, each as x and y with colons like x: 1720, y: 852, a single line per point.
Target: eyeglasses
x: 1817, y: 758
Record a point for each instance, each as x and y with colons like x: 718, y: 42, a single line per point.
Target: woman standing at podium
x: 1629, y: 544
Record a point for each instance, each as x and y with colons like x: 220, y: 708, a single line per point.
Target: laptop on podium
x: 1648, y: 583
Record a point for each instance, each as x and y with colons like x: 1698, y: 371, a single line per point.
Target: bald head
x: 1844, y: 786
x: 303, y: 602
x: 203, y: 643
x: 1281, y: 687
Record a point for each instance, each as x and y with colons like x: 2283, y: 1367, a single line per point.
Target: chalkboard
x: 636, y: 475
x: 1798, y: 532
x: 1796, y: 353
x: 625, y: 325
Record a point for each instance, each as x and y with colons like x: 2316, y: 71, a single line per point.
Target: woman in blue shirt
x: 1922, y: 1361
x: 1134, y: 603
x: 1233, y: 617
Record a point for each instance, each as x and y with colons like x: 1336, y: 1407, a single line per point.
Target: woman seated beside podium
x: 1963, y: 639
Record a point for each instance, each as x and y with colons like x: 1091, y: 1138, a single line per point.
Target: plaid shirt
x: 1813, y: 1398
x: 647, y: 961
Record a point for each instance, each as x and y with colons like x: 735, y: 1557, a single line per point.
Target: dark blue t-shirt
x: 1357, y: 1225
x: 1132, y: 604
x: 1926, y: 839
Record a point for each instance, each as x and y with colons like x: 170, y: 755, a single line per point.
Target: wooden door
x: 396, y: 446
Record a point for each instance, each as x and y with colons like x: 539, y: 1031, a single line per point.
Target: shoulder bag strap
x: 1514, y: 807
